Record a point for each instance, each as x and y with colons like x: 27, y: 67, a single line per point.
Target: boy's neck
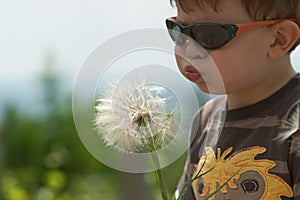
x: 261, y: 90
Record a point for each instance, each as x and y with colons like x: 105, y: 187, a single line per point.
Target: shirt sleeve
x: 294, y: 164
x: 197, y: 137
x: 192, y: 159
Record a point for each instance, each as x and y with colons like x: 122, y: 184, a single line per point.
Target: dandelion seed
x: 133, y: 117
x: 289, y: 130
x: 291, y: 125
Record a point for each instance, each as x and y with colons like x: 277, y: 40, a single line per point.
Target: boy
x: 254, y: 141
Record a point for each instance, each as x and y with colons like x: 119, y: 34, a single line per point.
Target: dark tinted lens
x: 175, y: 32
x: 209, y: 36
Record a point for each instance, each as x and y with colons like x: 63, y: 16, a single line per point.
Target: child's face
x: 242, y: 63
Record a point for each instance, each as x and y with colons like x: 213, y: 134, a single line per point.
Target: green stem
x: 160, y: 178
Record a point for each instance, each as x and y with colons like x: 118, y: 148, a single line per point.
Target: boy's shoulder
x: 281, y: 103
x: 293, y: 86
x: 282, y: 100
x: 285, y: 99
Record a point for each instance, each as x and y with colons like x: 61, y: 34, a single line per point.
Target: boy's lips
x: 191, y: 73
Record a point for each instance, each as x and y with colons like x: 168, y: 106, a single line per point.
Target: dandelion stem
x: 159, y: 177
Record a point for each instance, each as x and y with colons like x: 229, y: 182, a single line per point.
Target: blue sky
x: 71, y: 29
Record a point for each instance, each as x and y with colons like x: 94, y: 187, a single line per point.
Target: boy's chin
x: 214, y: 90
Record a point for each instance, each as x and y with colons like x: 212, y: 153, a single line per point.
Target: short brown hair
x: 256, y: 9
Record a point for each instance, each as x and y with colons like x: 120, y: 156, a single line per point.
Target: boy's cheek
x: 179, y: 59
x: 179, y: 62
x: 219, y: 58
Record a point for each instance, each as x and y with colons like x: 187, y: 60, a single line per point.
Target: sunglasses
x: 212, y: 35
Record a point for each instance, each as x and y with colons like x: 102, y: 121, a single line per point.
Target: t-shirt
x: 253, y: 151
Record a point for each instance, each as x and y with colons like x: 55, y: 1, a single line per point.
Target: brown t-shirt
x: 254, y: 149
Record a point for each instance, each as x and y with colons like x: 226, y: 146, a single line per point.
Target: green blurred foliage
x: 42, y: 157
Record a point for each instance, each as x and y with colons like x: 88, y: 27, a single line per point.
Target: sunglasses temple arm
x: 242, y: 28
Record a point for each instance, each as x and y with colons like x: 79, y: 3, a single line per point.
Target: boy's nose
x: 194, y: 50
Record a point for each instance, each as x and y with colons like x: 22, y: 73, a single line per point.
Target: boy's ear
x: 285, y: 35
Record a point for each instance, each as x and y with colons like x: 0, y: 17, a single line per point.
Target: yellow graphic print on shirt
x: 237, y: 164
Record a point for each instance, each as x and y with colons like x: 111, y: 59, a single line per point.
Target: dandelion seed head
x: 133, y: 117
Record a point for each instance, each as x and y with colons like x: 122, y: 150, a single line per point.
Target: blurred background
x: 42, y: 46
